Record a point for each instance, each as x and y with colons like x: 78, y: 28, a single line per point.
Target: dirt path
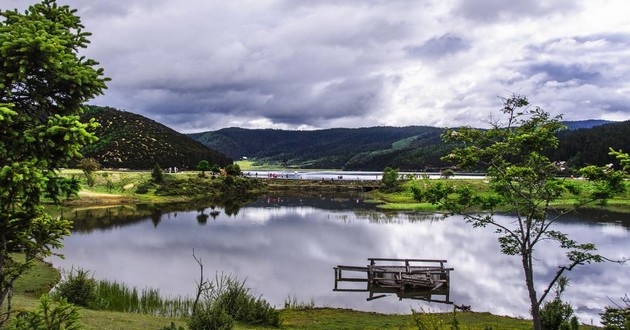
x: 94, y: 198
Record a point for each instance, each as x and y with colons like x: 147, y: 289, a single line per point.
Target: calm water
x: 289, y: 246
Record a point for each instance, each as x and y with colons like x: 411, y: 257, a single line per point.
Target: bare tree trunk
x: 529, y: 280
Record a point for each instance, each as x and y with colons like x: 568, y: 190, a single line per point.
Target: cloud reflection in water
x: 291, y: 251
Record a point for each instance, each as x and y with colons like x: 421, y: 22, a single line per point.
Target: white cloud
x: 203, y: 65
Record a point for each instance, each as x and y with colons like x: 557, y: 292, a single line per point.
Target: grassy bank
x: 43, y: 277
x: 403, y: 199
x: 135, y: 187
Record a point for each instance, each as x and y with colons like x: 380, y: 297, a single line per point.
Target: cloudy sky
x: 201, y: 65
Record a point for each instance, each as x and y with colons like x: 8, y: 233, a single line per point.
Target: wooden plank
x: 403, y: 260
x: 353, y: 268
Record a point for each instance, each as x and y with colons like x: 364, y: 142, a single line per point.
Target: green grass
x: 39, y: 280
x: 404, y: 199
x: 330, y: 318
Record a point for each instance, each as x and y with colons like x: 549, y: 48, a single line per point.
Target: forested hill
x: 348, y: 148
x: 590, y: 146
x: 128, y: 140
x: 415, y: 148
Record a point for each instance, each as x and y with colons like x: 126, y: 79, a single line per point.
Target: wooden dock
x: 424, y: 279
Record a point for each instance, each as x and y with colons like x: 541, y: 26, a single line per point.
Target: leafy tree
x: 215, y: 169
x: 89, y: 166
x: 617, y: 317
x: 447, y: 173
x: 157, y: 175
x: 203, y: 166
x: 390, y: 179
x: 233, y: 169
x: 43, y: 84
x: 522, y: 181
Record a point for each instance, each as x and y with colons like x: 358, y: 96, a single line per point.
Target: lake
x: 287, y: 247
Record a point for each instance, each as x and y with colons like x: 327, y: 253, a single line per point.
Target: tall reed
x: 114, y: 296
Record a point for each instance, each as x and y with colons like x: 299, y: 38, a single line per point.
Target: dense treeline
x: 414, y: 148
x: 128, y: 140
x: 358, y: 148
x: 583, y: 147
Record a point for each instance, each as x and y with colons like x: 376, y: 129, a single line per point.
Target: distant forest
x: 413, y: 148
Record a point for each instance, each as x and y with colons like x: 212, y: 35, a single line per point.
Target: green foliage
x: 291, y: 302
x: 233, y: 170
x: 43, y: 84
x: 618, y: 317
x: 89, y: 166
x: 78, y: 288
x: 210, y: 317
x: 81, y: 289
x: 227, y: 299
x: 390, y: 180
x: 172, y: 327
x: 238, y: 302
x: 143, y: 187
x: 522, y: 180
x: 203, y: 166
x: 447, y: 173
x: 157, y: 175
x: 49, y: 316
x: 118, y: 297
x: 215, y: 169
x: 229, y: 180
x: 557, y: 314
x: 429, y: 321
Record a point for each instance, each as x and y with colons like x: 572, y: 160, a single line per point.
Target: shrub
x: 447, y: 174
x: 227, y: 297
x: 426, y: 321
x: 557, y: 314
x: 210, y: 317
x: 78, y: 288
x: 173, y: 327
x: 233, y: 169
x: 143, y: 188
x: 239, y: 303
x: 62, y: 316
x: 157, y: 174
x: 228, y: 180
x: 390, y: 179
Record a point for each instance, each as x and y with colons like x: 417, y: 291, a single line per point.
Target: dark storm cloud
x: 438, y: 47
x: 496, y: 10
x: 563, y: 72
